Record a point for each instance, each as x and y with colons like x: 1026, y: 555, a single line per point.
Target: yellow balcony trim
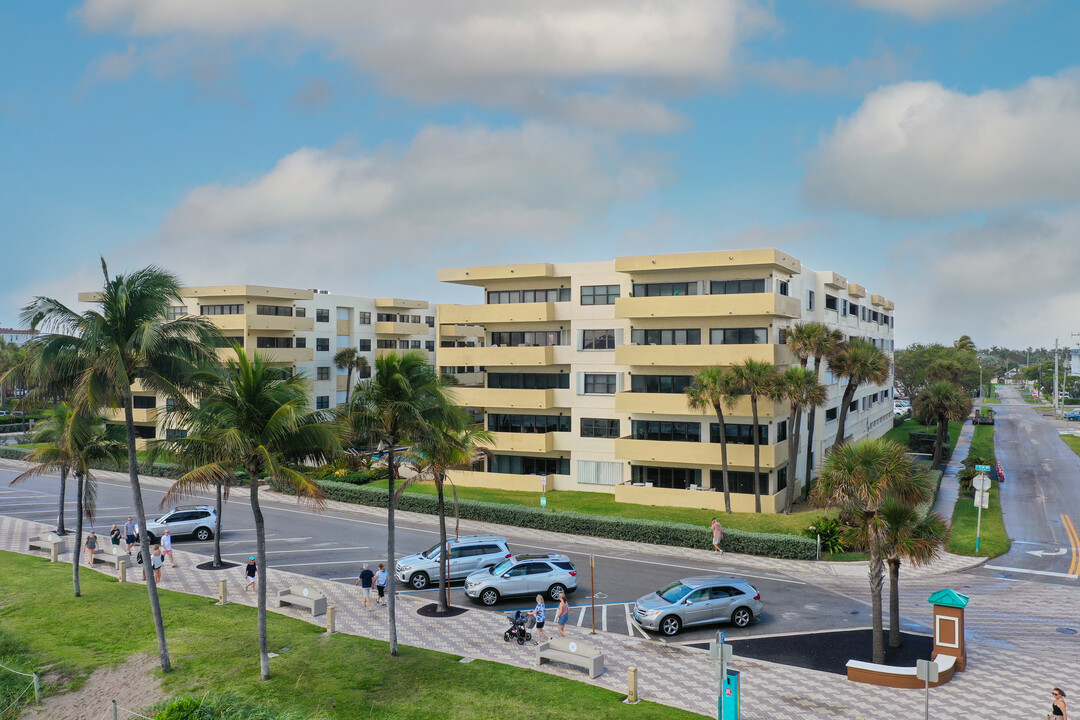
x: 675, y: 404
x: 760, y: 259
x: 401, y: 328
x: 252, y: 292
x: 699, y: 355
x: 482, y: 275
x: 460, y: 331
x: 835, y: 280
x: 856, y: 290
x: 498, y: 313
x: 276, y: 322
x: 692, y: 306
x: 656, y: 452
x: 497, y: 356
x: 877, y: 300
x: 504, y: 398
x: 287, y: 356
x: 498, y: 481
x: 523, y: 442
x: 710, y: 500
x: 401, y: 303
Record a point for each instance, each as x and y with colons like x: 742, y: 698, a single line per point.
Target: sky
x: 926, y: 149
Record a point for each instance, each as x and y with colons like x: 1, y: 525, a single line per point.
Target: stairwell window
x: 600, y: 383
x: 831, y: 414
x: 599, y: 428
x: 597, y: 339
x: 832, y: 302
x: 599, y: 294
x: 810, y: 300
x: 782, y: 287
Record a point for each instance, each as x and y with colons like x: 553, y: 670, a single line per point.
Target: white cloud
x: 923, y: 10
x: 917, y: 149
x: 859, y: 75
x: 501, y: 53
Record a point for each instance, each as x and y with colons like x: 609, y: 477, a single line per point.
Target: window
x: 501, y: 297
x: 854, y: 407
x: 832, y: 303
x: 499, y: 422
x: 386, y: 317
x: 170, y: 403
x: 664, y: 289
x: 739, y: 433
x: 599, y: 383
x: 344, y: 313
x: 875, y: 317
x: 809, y: 299
x: 529, y: 381
x: 597, y: 339
x: 403, y: 344
x: 781, y: 478
x: 739, y: 336
x: 363, y: 318
x: 527, y: 465
x: 322, y: 344
x: 229, y: 341
x: 532, y: 338
x: 594, y: 472
x: 322, y: 316
x: 599, y: 428
x: 666, y: 430
x: 830, y: 414
x: 176, y: 311
x: 430, y: 320
x: 599, y: 294
x: 667, y: 384
x: 739, y: 481
x: 301, y: 342
x: 175, y: 434
x: 676, y: 478
x: 273, y: 342
x: 782, y: 287
x: 736, y: 287
x: 403, y: 318
x: 691, y: 336
x: 429, y: 345
x: 322, y: 373
x: 782, y: 336
x: 781, y: 431
x: 414, y: 344
x: 843, y: 307
x: 143, y: 402
x: 285, y: 310
x: 301, y: 312
x: 322, y: 402
x: 363, y: 345
x: 415, y: 319
x: 237, y: 309
x: 386, y: 344
x: 853, y: 310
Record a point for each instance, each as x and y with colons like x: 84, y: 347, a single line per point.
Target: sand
x: 132, y: 685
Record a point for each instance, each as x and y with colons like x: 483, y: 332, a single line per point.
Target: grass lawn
x: 901, y: 433
x: 991, y: 401
x: 982, y: 443
x: 216, y: 649
x: 994, y: 540
x: 604, y: 504
x: 1072, y: 441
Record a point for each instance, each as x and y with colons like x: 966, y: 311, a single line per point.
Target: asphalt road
x: 1040, y: 498
x: 334, y: 545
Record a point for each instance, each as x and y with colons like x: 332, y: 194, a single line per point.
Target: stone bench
x: 571, y: 652
x: 50, y: 542
x: 113, y: 554
x: 898, y: 677
x: 305, y: 596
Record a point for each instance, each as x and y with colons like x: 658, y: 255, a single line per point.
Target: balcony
x: 667, y: 497
x: 835, y: 281
x: 877, y: 300
x: 480, y: 397
x: 699, y: 355
x: 141, y: 416
x: 469, y: 379
x: 498, y: 481
x: 276, y: 322
x: 497, y: 356
x: 460, y: 332
x: 523, y: 442
x: 889, y: 305
x: 287, y: 356
x: 675, y: 404
x: 693, y: 306
x: 766, y: 259
x: 656, y: 452
x: 401, y: 328
x: 856, y: 291
x: 497, y: 313
x: 484, y: 274
x: 401, y: 304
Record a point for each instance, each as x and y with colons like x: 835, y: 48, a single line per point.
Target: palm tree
x: 965, y: 344
x: 861, y: 362
x: 50, y: 431
x: 454, y: 446
x: 254, y: 418
x: 820, y: 342
x: 859, y: 479
x: 756, y: 378
x: 910, y: 535
x: 127, y: 337
x: 350, y: 359
x: 404, y: 400
x: 714, y: 387
x: 799, y: 387
x: 82, y: 440
x: 943, y: 401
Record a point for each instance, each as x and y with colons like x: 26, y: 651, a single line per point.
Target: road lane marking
x: 603, y: 619
x: 1031, y: 572
x: 283, y: 552
x: 1074, y: 541
x: 581, y: 616
x: 629, y: 623
x: 333, y: 562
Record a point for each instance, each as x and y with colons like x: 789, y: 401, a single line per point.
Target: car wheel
x: 419, y: 580
x: 555, y: 591
x: 489, y: 597
x: 742, y: 617
x: 670, y: 625
x: 150, y: 538
x: 203, y: 534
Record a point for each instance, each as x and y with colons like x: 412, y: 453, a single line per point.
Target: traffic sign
x: 981, y: 482
x: 983, y: 468
x: 926, y: 670
x: 543, y: 501
x: 982, y: 499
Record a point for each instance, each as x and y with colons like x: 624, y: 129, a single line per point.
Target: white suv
x: 549, y: 574
x: 467, y: 553
x: 195, y: 520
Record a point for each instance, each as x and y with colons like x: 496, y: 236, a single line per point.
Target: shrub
x: 14, y: 453
x: 224, y: 706
x: 831, y: 531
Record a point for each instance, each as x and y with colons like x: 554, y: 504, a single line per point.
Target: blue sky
x: 924, y: 148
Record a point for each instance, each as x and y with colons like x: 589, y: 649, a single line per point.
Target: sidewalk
x: 668, y: 673
x: 949, y: 491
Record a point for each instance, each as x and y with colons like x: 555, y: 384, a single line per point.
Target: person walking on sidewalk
x: 114, y: 534
x: 380, y: 584
x: 129, y: 534
x: 562, y: 614
x: 156, y: 561
x: 166, y: 548
x: 364, y: 581
x: 717, y: 535
x: 251, y: 573
x: 540, y: 613
x: 91, y: 548
x: 1057, y: 710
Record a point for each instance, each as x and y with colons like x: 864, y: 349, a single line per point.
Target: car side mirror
x: 688, y: 602
x: 506, y: 575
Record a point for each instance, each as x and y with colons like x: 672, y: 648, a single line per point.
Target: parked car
x: 467, y: 554
x: 698, y: 601
x: 548, y: 574
x: 1072, y: 415
x: 197, y: 521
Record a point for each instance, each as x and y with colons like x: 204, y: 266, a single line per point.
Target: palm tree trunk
x: 144, y: 547
x: 877, y: 579
x: 444, y: 565
x: 723, y: 458
x: 260, y: 561
x: 793, y: 460
x: 348, y: 385
x: 757, y: 456
x: 217, y: 528
x: 78, y: 533
x: 60, y: 529
x: 391, y: 582
x: 810, y: 422
x: 894, y: 601
x: 841, y: 422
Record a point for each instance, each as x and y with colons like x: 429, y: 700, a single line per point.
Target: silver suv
x: 697, y: 601
x: 195, y: 520
x: 547, y: 574
x: 467, y: 553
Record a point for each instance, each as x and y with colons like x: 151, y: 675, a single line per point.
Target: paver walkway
x: 949, y: 491
x: 1032, y: 655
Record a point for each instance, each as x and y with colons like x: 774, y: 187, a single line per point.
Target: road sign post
x: 592, y: 595
x: 927, y: 670
x: 981, y: 483
x: 721, y: 654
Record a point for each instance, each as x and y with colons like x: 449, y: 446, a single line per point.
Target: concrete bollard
x: 121, y: 571
x: 330, y: 621
x: 54, y: 553
x: 631, y: 685
x: 223, y: 592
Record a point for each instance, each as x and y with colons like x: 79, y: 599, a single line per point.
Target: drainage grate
x: 1066, y: 631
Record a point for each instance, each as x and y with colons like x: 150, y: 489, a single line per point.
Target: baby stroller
x: 520, y: 624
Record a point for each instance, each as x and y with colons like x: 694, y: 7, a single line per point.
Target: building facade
x: 579, y: 370
x: 300, y: 330
x: 17, y: 337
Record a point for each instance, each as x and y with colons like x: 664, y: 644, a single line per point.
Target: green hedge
x: 165, y: 470
x: 632, y: 529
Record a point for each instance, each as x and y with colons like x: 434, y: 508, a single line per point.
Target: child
x: 251, y: 572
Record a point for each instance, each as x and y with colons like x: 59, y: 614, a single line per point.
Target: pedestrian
x: 129, y: 534
x: 562, y: 614
x: 540, y: 613
x: 156, y: 561
x: 114, y: 534
x: 91, y: 548
x: 717, y: 535
x: 1057, y: 710
x: 251, y: 572
x: 138, y: 558
x: 364, y: 581
x: 166, y: 548
x: 380, y: 584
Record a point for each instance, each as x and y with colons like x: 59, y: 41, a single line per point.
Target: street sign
x: 981, y: 482
x: 983, y: 468
x: 982, y: 499
x: 543, y: 501
x: 926, y: 670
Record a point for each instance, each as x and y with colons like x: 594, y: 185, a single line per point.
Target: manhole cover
x: 1066, y: 631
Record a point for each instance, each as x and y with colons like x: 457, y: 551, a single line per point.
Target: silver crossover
x: 698, y: 601
x: 548, y: 574
x: 467, y: 553
x: 195, y: 520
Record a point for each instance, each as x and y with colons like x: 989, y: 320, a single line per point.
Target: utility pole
x: 1055, y: 377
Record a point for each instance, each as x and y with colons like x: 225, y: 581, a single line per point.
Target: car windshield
x: 432, y: 552
x: 502, y: 567
x: 674, y: 592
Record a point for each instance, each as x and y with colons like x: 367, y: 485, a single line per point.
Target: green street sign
x: 982, y: 468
